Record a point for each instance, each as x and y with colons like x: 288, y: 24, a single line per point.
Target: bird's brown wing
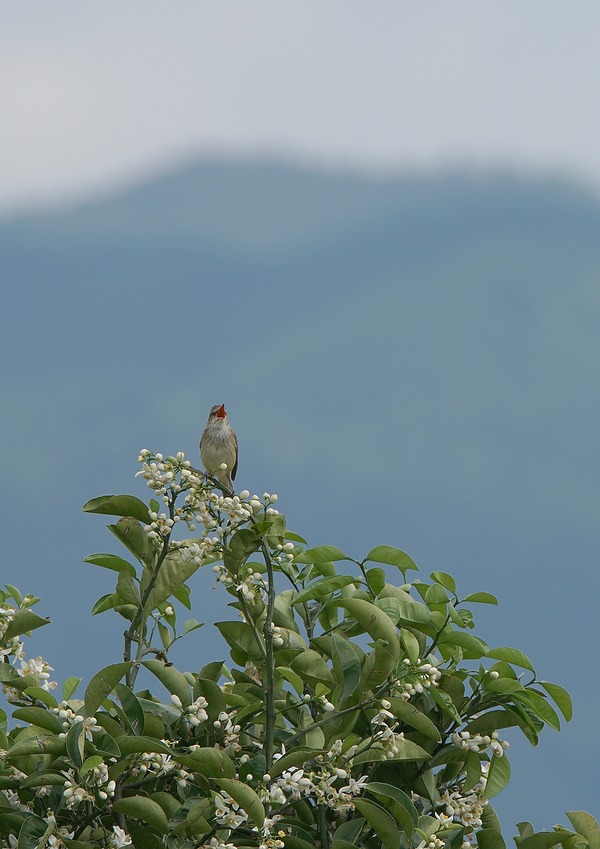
x: 234, y: 470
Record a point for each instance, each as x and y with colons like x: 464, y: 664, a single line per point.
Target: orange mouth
x: 220, y: 414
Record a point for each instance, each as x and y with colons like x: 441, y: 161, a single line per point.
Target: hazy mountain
x: 411, y: 361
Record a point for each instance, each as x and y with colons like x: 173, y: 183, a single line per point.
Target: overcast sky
x: 95, y: 94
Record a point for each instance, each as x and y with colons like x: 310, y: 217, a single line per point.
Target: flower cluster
x: 69, y: 718
x: 465, y: 808
x: 385, y: 737
x: 416, y: 679
x: 479, y: 743
x: 227, y: 812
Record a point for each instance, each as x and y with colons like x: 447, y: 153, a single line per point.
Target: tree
x: 357, y: 711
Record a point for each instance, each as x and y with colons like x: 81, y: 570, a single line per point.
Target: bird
x: 218, y: 444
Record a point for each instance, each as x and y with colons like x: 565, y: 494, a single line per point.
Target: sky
x: 93, y: 96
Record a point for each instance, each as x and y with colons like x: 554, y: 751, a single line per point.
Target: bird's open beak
x: 220, y: 414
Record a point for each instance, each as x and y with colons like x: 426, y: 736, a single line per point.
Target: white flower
x: 119, y: 839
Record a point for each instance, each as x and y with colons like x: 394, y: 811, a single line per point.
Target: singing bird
x: 218, y: 444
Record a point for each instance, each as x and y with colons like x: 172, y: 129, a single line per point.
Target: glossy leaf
x: 445, y: 580
x: 113, y: 562
x: 511, y: 655
x: 407, y: 713
x: 560, y: 697
x: 133, y: 536
x: 118, y: 505
x: 481, y: 598
x: 75, y: 743
x: 246, y: 798
x: 102, y: 685
x: 322, y: 588
x: 241, y: 545
x: 131, y: 708
x: 346, y: 665
x: 174, y: 571
x: 498, y: 776
x: 540, y: 706
x: 586, y: 825
x: 70, y: 686
x: 129, y: 745
x: 489, y: 838
x: 297, y: 757
x: 543, y: 839
x: 172, y: 679
x: 39, y: 717
x: 375, y: 622
x: 392, y: 556
x: 311, y: 666
x: 472, y: 644
x: 24, y: 620
x: 321, y: 554
x: 209, y: 762
x: 397, y: 803
x: 381, y: 822
x: 144, y: 809
x: 31, y: 832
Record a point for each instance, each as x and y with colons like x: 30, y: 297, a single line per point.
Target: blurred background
x: 372, y: 230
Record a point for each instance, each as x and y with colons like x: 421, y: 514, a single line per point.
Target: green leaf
x: 561, y: 698
x: 31, y: 832
x: 131, y: 708
x: 89, y: 764
x: 376, y: 579
x: 311, y: 666
x: 40, y: 718
x: 242, y: 641
x: 102, y: 685
x: 375, y: 622
x: 174, y: 571
x: 111, y: 561
x: 472, y: 644
x: 70, y: 686
x: 436, y: 594
x: 119, y: 505
x: 129, y: 745
x: 511, y: 655
x: 172, y: 679
x: 209, y: 762
x: 144, y: 809
x: 321, y: 554
x: 543, y: 839
x: 489, y: 838
x: 445, y: 580
x: 298, y: 756
x: 43, y: 778
x: 213, y: 695
x: 481, y: 598
x: 498, y: 776
x: 540, y: 707
x: 346, y: 665
x: 392, y: 556
x: 407, y: 751
x: 382, y: 823
x: 585, y: 825
x: 24, y: 621
x: 246, y: 798
x: 322, y: 588
x: 133, y: 536
x: 241, y: 545
x: 397, y: 803
x: 127, y: 589
x: 75, y: 743
x: 410, y: 715
x: 292, y: 537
